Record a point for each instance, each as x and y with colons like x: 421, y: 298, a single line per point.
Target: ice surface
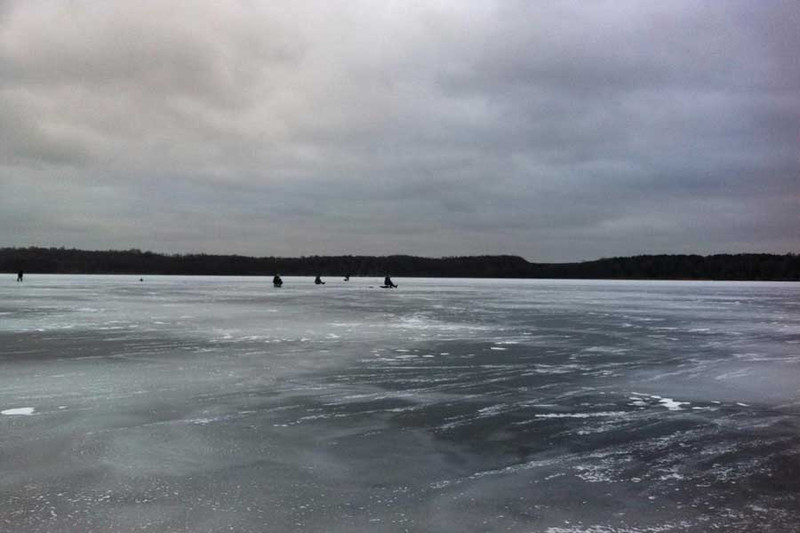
x: 215, y: 404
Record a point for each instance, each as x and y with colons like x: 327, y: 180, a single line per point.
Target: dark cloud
x: 556, y: 131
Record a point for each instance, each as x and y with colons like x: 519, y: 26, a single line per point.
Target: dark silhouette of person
x: 387, y: 282
x: 19, y: 275
x: 277, y: 281
x: 318, y: 281
x: 347, y: 277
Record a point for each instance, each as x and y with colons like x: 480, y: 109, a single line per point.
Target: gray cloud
x: 556, y: 131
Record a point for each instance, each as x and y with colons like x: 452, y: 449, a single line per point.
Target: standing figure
x: 387, y: 283
x: 19, y: 275
x: 277, y: 281
x: 318, y: 281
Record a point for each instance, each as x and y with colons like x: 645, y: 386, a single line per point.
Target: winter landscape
x: 192, y: 404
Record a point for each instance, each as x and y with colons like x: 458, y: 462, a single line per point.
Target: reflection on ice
x: 210, y: 404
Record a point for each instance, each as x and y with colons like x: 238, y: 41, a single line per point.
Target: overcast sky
x: 552, y: 130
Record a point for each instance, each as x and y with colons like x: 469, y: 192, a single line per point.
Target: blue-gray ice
x: 191, y: 404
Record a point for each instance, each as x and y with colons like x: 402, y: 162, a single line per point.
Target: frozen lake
x: 189, y: 404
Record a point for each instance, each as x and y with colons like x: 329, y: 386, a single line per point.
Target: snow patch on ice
x: 581, y: 415
x: 671, y: 404
x: 493, y: 410
x: 615, y: 529
x: 639, y: 400
x: 593, y: 473
x: 605, y: 349
x: 512, y: 469
x: 18, y: 411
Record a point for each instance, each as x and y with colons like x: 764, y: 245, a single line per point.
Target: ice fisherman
x: 318, y: 281
x: 387, y: 282
x: 19, y: 275
x: 277, y: 281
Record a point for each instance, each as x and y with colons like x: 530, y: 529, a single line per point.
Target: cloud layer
x: 556, y: 131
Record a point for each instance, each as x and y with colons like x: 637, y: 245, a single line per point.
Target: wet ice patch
x: 18, y: 411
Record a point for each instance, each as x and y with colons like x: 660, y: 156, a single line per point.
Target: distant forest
x: 716, y: 267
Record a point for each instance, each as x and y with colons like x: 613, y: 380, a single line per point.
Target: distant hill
x: 717, y: 267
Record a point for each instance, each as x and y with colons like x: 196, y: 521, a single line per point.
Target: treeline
x: 717, y: 267
x: 735, y: 267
